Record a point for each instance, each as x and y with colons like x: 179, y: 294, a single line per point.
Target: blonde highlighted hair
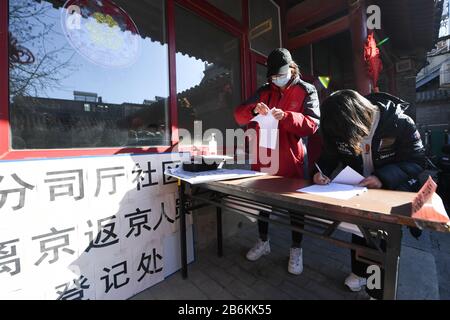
x: 346, y: 116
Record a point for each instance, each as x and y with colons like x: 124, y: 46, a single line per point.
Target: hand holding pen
x: 320, y: 178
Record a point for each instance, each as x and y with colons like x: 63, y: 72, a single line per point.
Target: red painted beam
x: 283, y: 19
x: 70, y: 153
x: 312, y: 11
x: 245, y: 55
x: 358, y: 31
x: 320, y: 33
x: 4, y: 74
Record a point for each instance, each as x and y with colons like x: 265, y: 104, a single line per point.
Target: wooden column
x: 358, y: 29
x: 283, y: 13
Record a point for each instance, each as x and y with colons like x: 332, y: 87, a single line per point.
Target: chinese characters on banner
x: 87, y: 228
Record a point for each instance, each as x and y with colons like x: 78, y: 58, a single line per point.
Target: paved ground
x: 423, y: 271
x: 438, y: 244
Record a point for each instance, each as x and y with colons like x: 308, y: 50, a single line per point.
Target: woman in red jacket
x: 295, y: 104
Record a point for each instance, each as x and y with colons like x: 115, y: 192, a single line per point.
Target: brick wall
x: 433, y: 113
x: 406, y: 90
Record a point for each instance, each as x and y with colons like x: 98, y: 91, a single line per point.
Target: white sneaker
x: 355, y: 283
x: 295, y: 265
x: 261, y: 248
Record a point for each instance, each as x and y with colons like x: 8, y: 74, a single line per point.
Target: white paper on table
x: 334, y: 190
x: 211, y: 175
x: 348, y: 176
x: 268, y: 130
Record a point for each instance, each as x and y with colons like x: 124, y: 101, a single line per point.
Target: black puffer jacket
x: 397, y: 150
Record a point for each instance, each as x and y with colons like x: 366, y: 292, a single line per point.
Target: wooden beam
x: 283, y: 13
x: 320, y: 33
x: 312, y: 11
x: 358, y: 31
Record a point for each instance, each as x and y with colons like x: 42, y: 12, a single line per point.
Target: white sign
x: 88, y: 228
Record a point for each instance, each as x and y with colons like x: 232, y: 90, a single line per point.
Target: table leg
x: 219, y: 232
x: 393, y: 247
x: 181, y: 189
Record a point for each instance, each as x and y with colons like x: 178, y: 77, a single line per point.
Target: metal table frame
x: 215, y: 195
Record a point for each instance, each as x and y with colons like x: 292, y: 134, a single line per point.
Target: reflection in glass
x: 264, y: 32
x: 232, y: 8
x: 208, y: 74
x: 88, y: 74
x: 261, y: 72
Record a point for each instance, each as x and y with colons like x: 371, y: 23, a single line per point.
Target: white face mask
x: 283, y: 80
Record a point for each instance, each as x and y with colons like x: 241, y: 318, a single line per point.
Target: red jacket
x: 301, y: 105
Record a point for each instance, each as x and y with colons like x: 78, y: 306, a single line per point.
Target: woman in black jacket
x: 373, y: 136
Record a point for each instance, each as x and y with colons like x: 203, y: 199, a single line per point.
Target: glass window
x: 232, y: 8
x: 333, y: 58
x: 261, y: 72
x: 88, y: 74
x: 264, y: 26
x: 208, y: 75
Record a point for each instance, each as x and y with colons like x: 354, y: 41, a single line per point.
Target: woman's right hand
x: 321, y: 180
x: 261, y: 108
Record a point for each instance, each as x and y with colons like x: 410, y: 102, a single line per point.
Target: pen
x: 321, y: 173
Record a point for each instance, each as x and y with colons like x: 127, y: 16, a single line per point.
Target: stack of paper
x: 348, y: 176
x: 335, y: 190
x: 211, y: 175
x: 343, y: 187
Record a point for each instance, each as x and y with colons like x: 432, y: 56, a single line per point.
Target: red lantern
x: 373, y: 61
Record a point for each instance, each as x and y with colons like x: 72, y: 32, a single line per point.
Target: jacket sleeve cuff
x: 391, y: 176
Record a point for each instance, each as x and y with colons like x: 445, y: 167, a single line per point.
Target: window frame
x: 256, y: 59
x: 200, y: 7
x: 280, y: 25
